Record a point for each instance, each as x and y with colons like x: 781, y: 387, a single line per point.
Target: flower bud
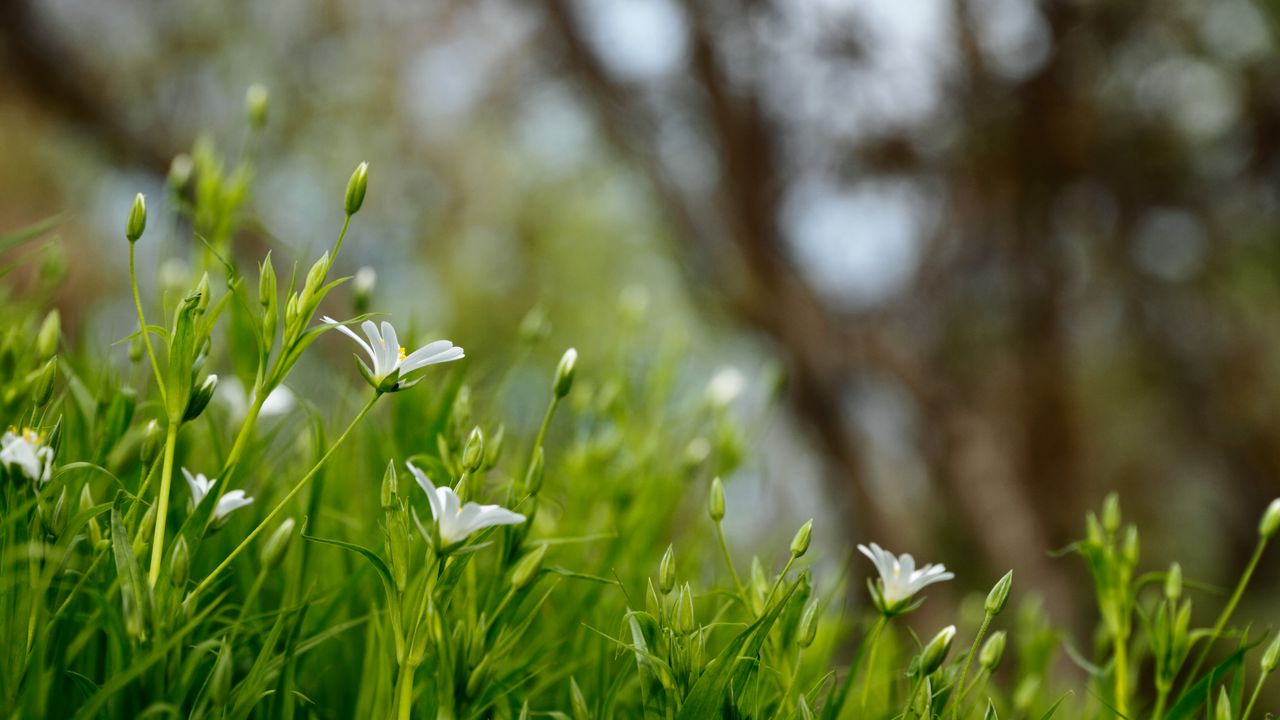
x: 1131, y: 545
x: 1173, y: 583
x: 999, y: 595
x: 273, y: 551
x: 652, y: 604
x: 42, y: 390
x: 1270, y: 520
x: 992, y: 651
x: 1271, y: 658
x: 49, y: 334
x: 667, y: 571
x: 362, y: 287
x: 808, y: 628
x: 135, y: 350
x: 255, y: 105
x: 199, y: 399
x: 935, y: 653
x: 1093, y: 529
x: 526, y: 571
x: 715, y: 505
x: 86, y: 502
x: 685, y: 621
x: 137, y: 219
x: 356, y: 188
x: 800, y: 543
x: 473, y: 451
x: 1111, y: 513
x: 534, y: 327
x: 142, y: 540
x: 179, y: 562
x: 533, y: 478
x: 180, y: 170
x: 390, y: 486
x: 577, y: 702
x: 564, y: 373
x: 1223, y: 710
x: 151, y: 442
x: 220, y: 678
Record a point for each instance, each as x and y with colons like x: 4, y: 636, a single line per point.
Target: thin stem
x: 404, y: 700
x: 142, y: 327
x: 242, y: 438
x: 1121, y: 663
x: 546, y: 422
x: 162, y: 511
x: 338, y: 245
x: 1162, y: 697
x: 204, y: 584
x: 728, y: 561
x: 1226, y: 613
x: 1257, y: 690
x: 964, y: 674
x: 778, y: 583
x: 871, y: 661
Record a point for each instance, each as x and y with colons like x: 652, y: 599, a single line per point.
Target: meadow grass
x: 189, y: 537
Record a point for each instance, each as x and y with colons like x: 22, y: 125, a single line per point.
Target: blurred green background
x: 977, y: 261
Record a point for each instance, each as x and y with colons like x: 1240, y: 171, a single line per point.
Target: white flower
x: 899, y: 578
x: 455, y: 522
x: 725, y: 386
x: 27, y: 452
x: 200, y: 486
x: 389, y: 358
x: 233, y: 394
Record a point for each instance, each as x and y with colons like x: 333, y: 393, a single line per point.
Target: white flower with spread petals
x: 27, y: 452
x: 899, y: 578
x: 458, y: 521
x: 200, y: 486
x: 390, y: 362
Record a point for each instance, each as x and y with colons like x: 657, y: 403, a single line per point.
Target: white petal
x: 437, y: 507
x: 392, y: 344
x: 348, y: 332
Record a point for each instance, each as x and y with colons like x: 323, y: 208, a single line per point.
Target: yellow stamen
x: 402, y: 353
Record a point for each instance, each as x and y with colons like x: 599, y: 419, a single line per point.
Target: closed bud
x: 1173, y: 583
x: 1111, y: 513
x: 992, y: 651
x: 533, y: 478
x: 1093, y: 529
x: 685, y: 621
x: 715, y: 505
x: 667, y: 571
x: 800, y: 543
x: 808, y: 628
x: 473, y: 451
x: 291, y: 310
x: 220, y: 680
x: 180, y: 172
x: 1270, y: 520
x: 135, y: 350
x: 999, y: 595
x: 935, y: 653
x: 362, y: 287
x: 577, y: 702
x: 86, y: 502
x: 58, y: 521
x: 273, y: 551
x: 526, y: 571
x: 1131, y: 546
x: 48, y: 336
x: 652, y: 604
x: 137, y: 223
x: 267, y: 282
x: 255, y: 105
x: 479, y: 676
x: 315, y: 279
x: 1223, y: 710
x: 142, y: 540
x: 42, y: 390
x: 152, y: 439
x: 200, y: 398
x: 180, y: 562
x: 390, y: 486
x: 564, y: 373
x: 356, y: 188
x: 1271, y: 658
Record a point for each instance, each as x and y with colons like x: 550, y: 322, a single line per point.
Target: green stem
x: 142, y: 327
x: 1162, y: 697
x: 871, y: 660
x: 242, y: 439
x: 546, y: 422
x: 162, y: 510
x: 728, y: 561
x: 338, y: 245
x: 777, y: 583
x: 1257, y: 690
x: 1226, y: 612
x: 204, y: 584
x: 404, y: 700
x: 964, y: 674
x: 1121, y: 663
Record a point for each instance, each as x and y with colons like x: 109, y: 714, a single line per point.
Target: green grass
x: 334, y: 594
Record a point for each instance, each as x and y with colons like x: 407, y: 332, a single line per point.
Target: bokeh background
x: 964, y: 265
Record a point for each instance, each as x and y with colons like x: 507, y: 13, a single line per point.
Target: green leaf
x: 135, y: 594
x: 707, y: 698
x: 1198, y: 694
x: 384, y: 572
